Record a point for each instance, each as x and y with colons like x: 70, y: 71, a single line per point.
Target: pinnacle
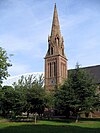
x: 55, y: 5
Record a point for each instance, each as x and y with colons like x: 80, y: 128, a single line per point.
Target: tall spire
x: 55, y: 59
x: 55, y: 24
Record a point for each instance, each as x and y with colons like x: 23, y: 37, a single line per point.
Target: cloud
x: 18, y: 69
x: 23, y: 30
x: 12, y: 43
x: 11, y: 80
x: 80, y: 30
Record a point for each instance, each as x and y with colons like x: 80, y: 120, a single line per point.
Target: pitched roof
x: 93, y: 71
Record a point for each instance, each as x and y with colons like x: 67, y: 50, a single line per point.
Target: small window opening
x: 51, y: 50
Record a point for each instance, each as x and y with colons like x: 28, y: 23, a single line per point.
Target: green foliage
x: 77, y: 94
x: 4, y: 64
x: 11, y: 101
x: 6, y: 99
x: 27, y: 95
x: 33, y: 92
x: 49, y: 100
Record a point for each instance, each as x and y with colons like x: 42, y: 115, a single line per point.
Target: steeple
x: 55, y: 59
x: 55, y: 40
x: 55, y: 24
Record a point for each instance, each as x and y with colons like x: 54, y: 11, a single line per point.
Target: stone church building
x: 56, y: 61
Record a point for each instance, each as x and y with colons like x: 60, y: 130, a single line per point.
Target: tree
x: 34, y: 94
x: 4, y: 64
x: 77, y: 94
x: 64, y: 99
x: 85, y: 91
x: 11, y: 101
x: 6, y: 100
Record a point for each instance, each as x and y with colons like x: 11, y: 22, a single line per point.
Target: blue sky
x: 26, y: 24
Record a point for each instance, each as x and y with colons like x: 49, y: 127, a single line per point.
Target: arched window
x: 51, y: 50
x: 62, y: 51
x: 57, y: 40
x: 50, y: 69
x: 55, y: 70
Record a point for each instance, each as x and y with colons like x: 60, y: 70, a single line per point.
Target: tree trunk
x: 27, y: 114
x: 77, y: 118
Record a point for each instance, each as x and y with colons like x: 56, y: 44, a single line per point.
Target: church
x: 56, y: 61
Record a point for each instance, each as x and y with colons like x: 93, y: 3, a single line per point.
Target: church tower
x: 55, y: 59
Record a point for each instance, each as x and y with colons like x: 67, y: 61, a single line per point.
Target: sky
x: 26, y: 24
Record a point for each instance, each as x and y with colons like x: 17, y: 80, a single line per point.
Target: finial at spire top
x: 55, y: 5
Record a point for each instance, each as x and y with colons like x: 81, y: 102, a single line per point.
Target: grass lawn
x: 50, y: 127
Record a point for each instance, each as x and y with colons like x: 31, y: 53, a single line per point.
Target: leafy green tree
x: 4, y: 64
x: 49, y: 100
x: 77, y: 94
x: 11, y: 101
x: 1, y: 101
x: 34, y: 94
x: 36, y: 98
x: 6, y: 100
x: 85, y: 90
x: 64, y: 99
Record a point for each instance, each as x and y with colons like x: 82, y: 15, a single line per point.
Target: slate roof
x: 93, y: 71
